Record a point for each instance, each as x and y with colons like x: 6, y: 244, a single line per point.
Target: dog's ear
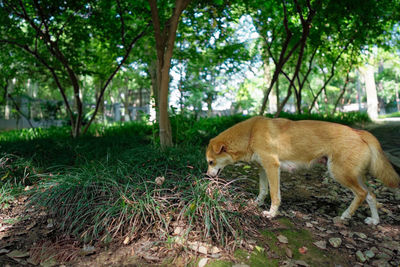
x: 219, y: 147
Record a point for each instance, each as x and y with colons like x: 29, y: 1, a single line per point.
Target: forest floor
x: 306, y: 233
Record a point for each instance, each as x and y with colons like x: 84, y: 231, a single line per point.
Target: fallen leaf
x: 127, y: 240
x: 18, y: 254
x: 203, y: 262
x: 199, y: 247
x: 283, y: 239
x: 178, y: 230
x: 303, y: 250
x: 289, y: 252
x: 320, y: 244
x: 160, y: 180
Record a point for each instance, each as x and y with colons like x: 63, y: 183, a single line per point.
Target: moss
x: 297, y: 238
x: 257, y: 258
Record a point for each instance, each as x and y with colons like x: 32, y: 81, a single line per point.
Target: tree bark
x: 165, y: 40
x: 370, y: 88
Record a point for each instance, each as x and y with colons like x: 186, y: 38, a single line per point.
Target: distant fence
x: 45, y: 113
x: 16, y: 124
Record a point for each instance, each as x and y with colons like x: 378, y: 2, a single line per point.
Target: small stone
x: 369, y: 254
x: 309, y: 225
x: 383, y: 256
x: 360, y: 256
x: 215, y: 250
x: 202, y: 262
x: 335, y: 242
x: 374, y: 250
x: 380, y: 263
x: 361, y: 235
x: 320, y: 244
x: 199, y: 247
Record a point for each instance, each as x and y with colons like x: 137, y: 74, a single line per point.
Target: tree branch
x: 99, y: 99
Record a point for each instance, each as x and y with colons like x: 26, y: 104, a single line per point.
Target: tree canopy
x: 302, y: 53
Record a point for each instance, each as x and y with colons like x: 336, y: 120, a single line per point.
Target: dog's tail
x: 380, y: 166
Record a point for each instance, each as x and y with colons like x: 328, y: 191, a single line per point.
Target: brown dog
x: 283, y: 144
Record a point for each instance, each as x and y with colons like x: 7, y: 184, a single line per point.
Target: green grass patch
x: 391, y: 115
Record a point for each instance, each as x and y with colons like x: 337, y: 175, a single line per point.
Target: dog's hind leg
x: 350, y: 178
x: 263, y: 187
x: 371, y: 200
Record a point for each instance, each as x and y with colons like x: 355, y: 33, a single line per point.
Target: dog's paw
x: 370, y: 220
x: 346, y: 215
x: 269, y: 214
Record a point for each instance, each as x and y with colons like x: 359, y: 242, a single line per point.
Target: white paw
x: 269, y: 214
x: 370, y: 220
x: 345, y: 215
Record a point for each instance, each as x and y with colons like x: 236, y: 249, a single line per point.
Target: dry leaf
x: 283, y: 239
x: 303, y: 250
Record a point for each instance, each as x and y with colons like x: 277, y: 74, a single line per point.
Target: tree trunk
x: 165, y: 40
x: 370, y: 88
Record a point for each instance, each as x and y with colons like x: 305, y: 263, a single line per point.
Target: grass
x: 391, y: 115
x: 102, y: 186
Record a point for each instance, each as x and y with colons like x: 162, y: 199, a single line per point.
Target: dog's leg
x: 263, y: 187
x: 371, y: 200
x: 271, y: 166
x: 358, y: 199
x: 349, y: 178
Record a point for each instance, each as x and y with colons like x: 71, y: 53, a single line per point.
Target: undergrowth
x: 103, y: 186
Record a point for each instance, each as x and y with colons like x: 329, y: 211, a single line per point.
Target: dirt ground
x: 306, y: 233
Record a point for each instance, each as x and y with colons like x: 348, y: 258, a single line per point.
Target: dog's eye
x: 210, y: 162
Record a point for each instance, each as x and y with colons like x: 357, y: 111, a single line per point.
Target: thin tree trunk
x: 343, y: 89
x: 26, y: 117
x: 306, y: 24
x: 165, y: 41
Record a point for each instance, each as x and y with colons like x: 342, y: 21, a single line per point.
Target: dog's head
x: 217, y: 157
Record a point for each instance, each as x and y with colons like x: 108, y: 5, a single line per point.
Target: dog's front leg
x: 271, y: 166
x: 263, y: 187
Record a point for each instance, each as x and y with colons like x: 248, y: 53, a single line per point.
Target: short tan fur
x: 277, y: 144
